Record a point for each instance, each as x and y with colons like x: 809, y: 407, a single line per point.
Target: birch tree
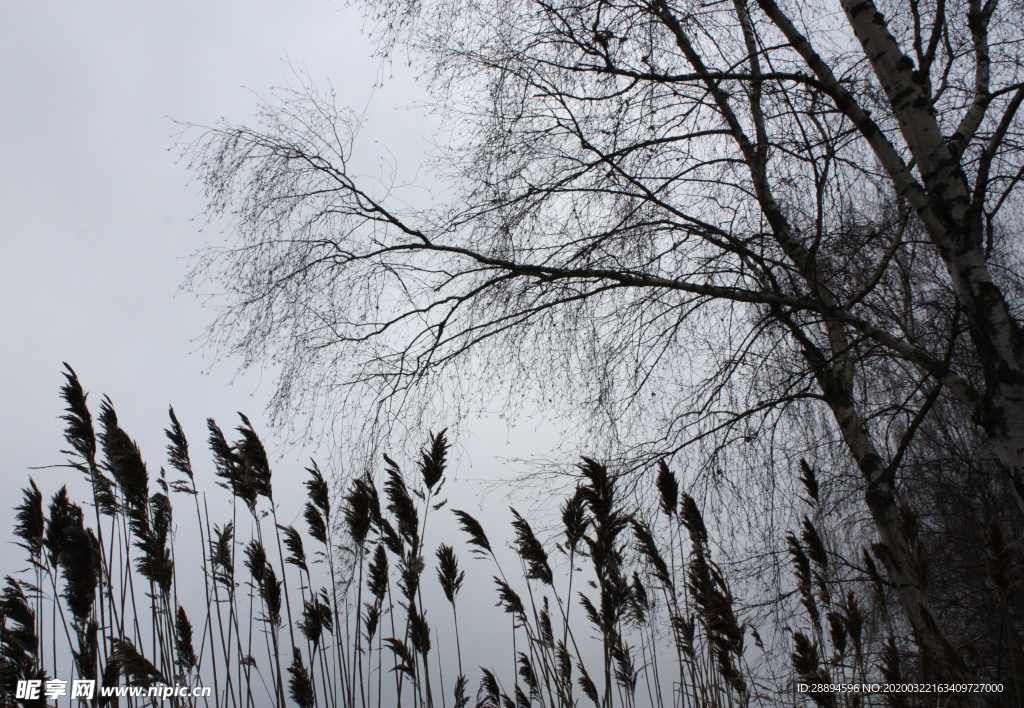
x: 690, y: 223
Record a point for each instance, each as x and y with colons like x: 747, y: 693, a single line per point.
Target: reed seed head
x: 448, y: 573
x: 668, y: 489
x: 531, y: 550
x: 433, y: 459
x: 185, y: 653
x: 477, y: 537
x: 809, y: 479
x: 177, y: 447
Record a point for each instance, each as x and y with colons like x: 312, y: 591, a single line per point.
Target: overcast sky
x: 98, y: 221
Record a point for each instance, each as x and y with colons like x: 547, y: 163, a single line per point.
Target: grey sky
x: 97, y: 221
x: 96, y: 218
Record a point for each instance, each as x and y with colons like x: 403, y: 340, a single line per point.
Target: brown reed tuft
x: 221, y: 555
x: 253, y: 457
x: 316, y: 618
x: 185, y: 655
x: 813, y: 543
x: 123, y: 460
x: 432, y: 461
x: 477, y: 537
x: 80, y: 567
x: 692, y: 519
x: 177, y: 450
x: 668, y: 489
x: 805, y: 656
x: 62, y: 517
x: 318, y: 490
x: 489, y: 693
x: 377, y: 580
x: 802, y: 571
x: 156, y: 563
x: 81, y: 435
x: 585, y: 682
x: 530, y: 550
x: 527, y: 675
x: 300, y: 685
x: 461, y: 697
x: 131, y: 664
x: 400, y: 503
x: 448, y: 573
x: 649, y: 551
x: 809, y: 479
x: 358, y: 511
x: 19, y: 643
x: 256, y: 560
x: 509, y: 600
x: 296, y: 551
x: 574, y: 521
x: 229, y: 468
x: 79, y: 431
x: 29, y: 522
x: 406, y: 661
x: 86, y: 656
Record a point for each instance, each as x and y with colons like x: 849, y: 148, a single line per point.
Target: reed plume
x: 668, y: 489
x: 448, y: 573
x: 489, y: 694
x: 477, y: 537
x: 178, y: 455
x: 316, y: 618
x: 377, y: 580
x: 155, y: 563
x: 693, y: 520
x: 80, y: 434
x: 805, y: 656
x: 131, y: 664
x: 317, y: 511
x: 400, y: 503
x: 256, y: 561
x: 318, y: 490
x: 230, y: 469
x: 177, y: 447
x: 87, y: 654
x: 649, y: 551
x: 19, y: 644
x: 252, y: 457
x: 574, y: 521
x: 62, y: 516
x: 461, y: 697
x: 185, y: 654
x: 123, y: 460
x: 358, y: 511
x: 530, y: 550
x: 80, y: 567
x: 296, y: 551
x: 29, y: 522
x: 432, y: 460
x: 300, y: 685
x: 79, y: 430
x: 406, y: 661
x: 509, y: 600
x: 221, y: 556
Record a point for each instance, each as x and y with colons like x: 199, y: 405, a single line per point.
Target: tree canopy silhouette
x: 709, y: 222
